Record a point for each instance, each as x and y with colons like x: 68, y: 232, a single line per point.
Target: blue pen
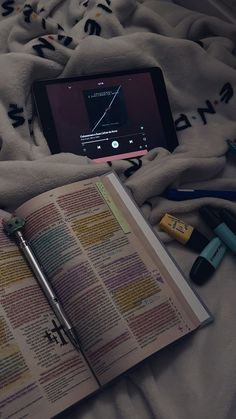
x: 182, y: 194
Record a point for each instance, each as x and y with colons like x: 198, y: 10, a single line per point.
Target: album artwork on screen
x: 106, y: 117
x: 106, y: 109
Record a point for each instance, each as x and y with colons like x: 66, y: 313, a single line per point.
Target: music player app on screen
x: 108, y: 118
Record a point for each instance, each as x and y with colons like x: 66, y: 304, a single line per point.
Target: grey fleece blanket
x: 195, y: 378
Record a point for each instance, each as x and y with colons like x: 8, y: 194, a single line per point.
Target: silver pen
x: 13, y: 227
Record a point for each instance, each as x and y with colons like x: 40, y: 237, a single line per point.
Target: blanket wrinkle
x: 54, y: 38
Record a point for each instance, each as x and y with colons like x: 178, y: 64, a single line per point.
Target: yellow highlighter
x: 183, y: 233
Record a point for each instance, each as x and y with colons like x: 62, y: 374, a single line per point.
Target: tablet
x: 106, y: 116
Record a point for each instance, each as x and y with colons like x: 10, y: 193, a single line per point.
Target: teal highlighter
x: 220, y: 228
x: 229, y: 218
x: 208, y: 261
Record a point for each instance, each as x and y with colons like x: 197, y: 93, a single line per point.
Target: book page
x: 113, y: 291
x: 41, y: 374
x: 155, y: 249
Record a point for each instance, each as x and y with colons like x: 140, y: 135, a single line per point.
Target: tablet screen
x: 107, y: 117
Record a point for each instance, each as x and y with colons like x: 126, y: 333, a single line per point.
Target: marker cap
x: 229, y: 218
x: 201, y: 270
x: 197, y: 241
x: 210, y: 216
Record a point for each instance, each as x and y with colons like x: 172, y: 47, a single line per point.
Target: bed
x: 194, y: 378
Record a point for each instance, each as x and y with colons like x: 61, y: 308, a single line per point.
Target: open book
x: 121, y: 290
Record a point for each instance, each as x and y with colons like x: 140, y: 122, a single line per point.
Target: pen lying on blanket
x: 184, y: 194
x: 13, y: 228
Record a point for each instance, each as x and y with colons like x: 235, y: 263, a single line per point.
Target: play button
x: 115, y: 144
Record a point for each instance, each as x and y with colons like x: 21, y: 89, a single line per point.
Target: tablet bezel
x: 45, y: 115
